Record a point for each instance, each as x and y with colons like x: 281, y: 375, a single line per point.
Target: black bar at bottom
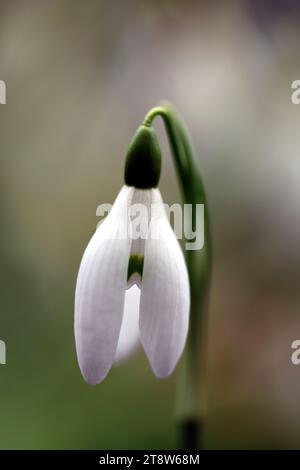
x: 132, y: 459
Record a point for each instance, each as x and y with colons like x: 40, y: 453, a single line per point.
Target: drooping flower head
x: 118, y: 256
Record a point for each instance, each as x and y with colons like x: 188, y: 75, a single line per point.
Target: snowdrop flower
x: 112, y: 263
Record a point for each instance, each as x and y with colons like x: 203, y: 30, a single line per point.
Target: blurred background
x: 80, y: 77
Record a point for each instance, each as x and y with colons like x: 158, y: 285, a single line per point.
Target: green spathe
x: 143, y: 161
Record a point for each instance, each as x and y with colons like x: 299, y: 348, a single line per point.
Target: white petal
x: 100, y: 292
x: 140, y: 217
x: 165, y: 296
x: 130, y: 333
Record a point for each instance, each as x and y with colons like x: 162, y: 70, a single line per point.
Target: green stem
x: 191, y: 399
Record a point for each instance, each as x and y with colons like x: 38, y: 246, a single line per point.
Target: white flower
x: 103, y: 279
x: 121, y: 255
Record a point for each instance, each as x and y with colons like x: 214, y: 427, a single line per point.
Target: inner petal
x: 129, y: 334
x: 139, y: 215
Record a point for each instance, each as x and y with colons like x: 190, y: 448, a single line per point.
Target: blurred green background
x: 80, y: 77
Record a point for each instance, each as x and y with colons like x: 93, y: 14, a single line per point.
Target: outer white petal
x: 129, y: 338
x: 165, y: 295
x: 100, y: 292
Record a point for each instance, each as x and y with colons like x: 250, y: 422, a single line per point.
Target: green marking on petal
x: 135, y: 265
